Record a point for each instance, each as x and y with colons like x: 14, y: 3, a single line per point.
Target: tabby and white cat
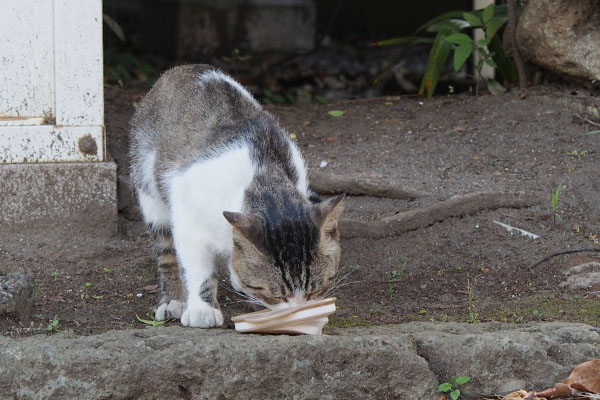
x: 219, y: 182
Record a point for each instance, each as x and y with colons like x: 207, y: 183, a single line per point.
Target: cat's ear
x: 248, y: 226
x: 326, y: 214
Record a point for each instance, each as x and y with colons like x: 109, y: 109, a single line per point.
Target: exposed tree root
x: 362, y: 184
x: 571, y: 251
x: 455, y: 206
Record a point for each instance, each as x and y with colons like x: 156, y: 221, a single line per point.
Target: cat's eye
x: 332, y: 233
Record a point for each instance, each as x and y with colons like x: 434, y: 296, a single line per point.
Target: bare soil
x: 463, y: 268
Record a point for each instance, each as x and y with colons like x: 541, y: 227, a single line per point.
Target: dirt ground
x: 459, y: 269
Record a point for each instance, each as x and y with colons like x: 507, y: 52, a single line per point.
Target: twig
x: 512, y: 40
x: 559, y: 253
x: 362, y: 184
x: 455, y: 206
x: 589, y: 121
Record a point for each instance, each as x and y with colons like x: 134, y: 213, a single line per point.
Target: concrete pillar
x: 53, y: 163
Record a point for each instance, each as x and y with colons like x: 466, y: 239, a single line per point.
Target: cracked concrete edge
x: 402, y: 361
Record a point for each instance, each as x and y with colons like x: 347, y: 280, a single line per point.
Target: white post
x: 51, y: 93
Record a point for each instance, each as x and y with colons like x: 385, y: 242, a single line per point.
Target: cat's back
x: 192, y: 109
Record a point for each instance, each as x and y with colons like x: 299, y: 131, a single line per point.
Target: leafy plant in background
x: 448, y: 37
x: 555, y: 194
x: 122, y: 61
x: 452, y: 386
x: 466, y: 47
x: 53, y: 326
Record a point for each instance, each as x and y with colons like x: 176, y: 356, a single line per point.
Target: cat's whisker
x: 248, y: 297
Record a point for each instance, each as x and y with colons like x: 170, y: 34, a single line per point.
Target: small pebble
x: 323, y: 164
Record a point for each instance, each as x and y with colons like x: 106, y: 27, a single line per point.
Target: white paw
x: 202, y: 316
x: 171, y: 310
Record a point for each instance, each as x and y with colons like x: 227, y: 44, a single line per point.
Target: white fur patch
x: 202, y: 316
x: 298, y: 299
x: 298, y: 162
x: 154, y: 209
x: 198, y: 196
x: 171, y: 310
x: 215, y: 75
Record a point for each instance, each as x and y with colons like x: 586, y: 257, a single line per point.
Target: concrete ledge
x: 49, y: 196
x: 401, y: 362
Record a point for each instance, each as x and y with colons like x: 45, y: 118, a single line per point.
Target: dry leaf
x: 332, y: 138
x: 151, y: 288
x: 306, y: 123
x: 519, y: 394
x: 586, y: 374
x: 459, y: 129
x: 57, y: 299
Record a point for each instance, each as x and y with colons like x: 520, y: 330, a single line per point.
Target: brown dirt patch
x: 459, y: 269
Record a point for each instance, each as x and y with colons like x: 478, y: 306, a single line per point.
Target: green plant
x: 54, y: 274
x: 89, y: 284
x: 448, y: 37
x: 53, y: 325
x: 336, y: 113
x: 395, y: 275
x: 151, y: 323
x: 473, y: 316
x: 555, y: 194
x: 452, y: 386
x: 466, y: 47
x: 36, y: 286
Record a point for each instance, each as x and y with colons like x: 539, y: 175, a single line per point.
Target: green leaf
x: 484, y: 41
x: 461, y: 380
x: 114, y: 26
x: 472, y: 19
x: 445, y: 387
x: 455, y: 394
x: 402, y: 40
x: 461, y: 55
x: 479, y: 64
x: 336, y: 113
x: 490, y: 62
x: 494, y: 87
x: 437, y: 59
x: 558, y: 217
x: 488, y: 13
x: 592, y: 133
x: 442, y: 17
x: 492, y: 26
x: 459, y: 38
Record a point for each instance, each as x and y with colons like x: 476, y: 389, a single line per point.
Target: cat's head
x: 285, y: 259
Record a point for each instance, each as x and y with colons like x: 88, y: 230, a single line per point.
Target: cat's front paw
x: 202, y: 316
x: 171, y: 310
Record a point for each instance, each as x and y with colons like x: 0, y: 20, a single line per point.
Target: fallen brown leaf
x: 151, y: 288
x: 459, y: 129
x: 57, y: 299
x: 586, y: 374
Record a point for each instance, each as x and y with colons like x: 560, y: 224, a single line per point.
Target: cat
x: 221, y: 184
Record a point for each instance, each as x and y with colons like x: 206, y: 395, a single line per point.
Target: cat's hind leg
x: 170, y: 303
x: 171, y: 292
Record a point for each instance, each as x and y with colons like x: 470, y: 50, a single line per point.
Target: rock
x: 582, y: 281
x: 562, y: 36
x: 397, y: 361
x: 511, y: 385
x: 583, y: 276
x: 16, y: 295
x: 592, y: 266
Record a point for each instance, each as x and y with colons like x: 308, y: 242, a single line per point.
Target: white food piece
x: 305, y: 319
